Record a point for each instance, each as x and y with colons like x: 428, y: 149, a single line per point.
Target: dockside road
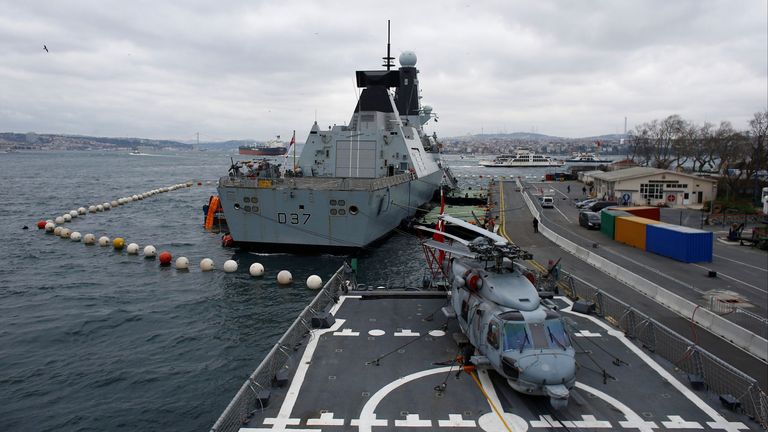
x: 691, y: 282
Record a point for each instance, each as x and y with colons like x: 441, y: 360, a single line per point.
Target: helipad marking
x: 456, y: 420
x: 367, y: 414
x: 336, y: 307
x: 591, y: 422
x: 283, y: 417
x: 373, y: 421
x: 376, y: 332
x: 437, y: 333
x: 272, y: 429
x: 413, y: 420
x: 677, y: 422
x: 326, y: 419
x: 720, y: 422
x: 346, y: 332
x: 406, y: 332
x: 586, y: 333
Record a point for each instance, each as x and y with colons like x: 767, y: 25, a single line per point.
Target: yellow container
x: 265, y: 183
x: 631, y: 230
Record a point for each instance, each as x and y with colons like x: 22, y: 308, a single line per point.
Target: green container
x: 608, y: 221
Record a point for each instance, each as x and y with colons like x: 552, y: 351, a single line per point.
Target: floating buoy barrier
x: 41, y: 224
x: 314, y: 282
x: 103, y: 241
x: 165, y: 258
x: 100, y: 208
x: 118, y: 243
x: 206, y: 264
x: 65, y: 233
x: 149, y: 251
x: 182, y: 263
x: 132, y: 249
x: 59, y: 220
x: 256, y: 270
x: 106, y: 206
x: 75, y: 236
x: 113, y: 203
x: 49, y: 226
x: 57, y: 231
x: 284, y: 277
x: 92, y: 209
x: 89, y: 239
x: 67, y: 217
x: 230, y: 266
x: 135, y: 197
x: 73, y: 214
x: 82, y: 210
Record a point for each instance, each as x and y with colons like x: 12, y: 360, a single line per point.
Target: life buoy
x: 671, y: 198
x: 227, y: 240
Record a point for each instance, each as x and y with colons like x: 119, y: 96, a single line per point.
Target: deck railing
x: 245, y: 403
x: 317, y: 183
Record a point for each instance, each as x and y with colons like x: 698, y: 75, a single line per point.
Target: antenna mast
x: 388, y: 59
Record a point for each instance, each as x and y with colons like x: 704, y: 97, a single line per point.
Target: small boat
x: 588, y: 158
x: 135, y: 152
x: 522, y: 158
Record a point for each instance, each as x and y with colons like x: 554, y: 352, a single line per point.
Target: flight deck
x: 387, y: 361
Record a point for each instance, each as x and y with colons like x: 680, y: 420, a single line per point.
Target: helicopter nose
x: 551, y: 368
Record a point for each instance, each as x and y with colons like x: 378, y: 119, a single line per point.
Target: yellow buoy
x: 118, y: 243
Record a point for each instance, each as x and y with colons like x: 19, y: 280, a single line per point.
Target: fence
x: 718, y: 376
x: 244, y: 404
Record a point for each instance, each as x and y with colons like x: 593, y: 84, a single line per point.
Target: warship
x: 352, y: 184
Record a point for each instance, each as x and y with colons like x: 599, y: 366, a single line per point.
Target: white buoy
x: 49, y: 221
x: 89, y: 239
x: 99, y: 207
x: 121, y: 201
x: 230, y: 266
x: 75, y: 236
x: 67, y: 217
x: 132, y: 249
x: 65, y: 233
x: 182, y: 263
x: 49, y: 227
x: 284, y: 277
x: 82, y: 210
x: 114, y: 203
x: 103, y: 241
x: 57, y: 231
x: 59, y: 220
x: 314, y: 282
x: 207, y: 264
x: 150, y: 251
x: 73, y: 214
x: 135, y: 197
x: 256, y: 269
x: 92, y: 209
x: 107, y: 206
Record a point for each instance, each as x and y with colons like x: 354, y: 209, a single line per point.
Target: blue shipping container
x: 679, y: 242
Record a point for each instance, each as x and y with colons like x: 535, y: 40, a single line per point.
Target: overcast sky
x: 254, y: 69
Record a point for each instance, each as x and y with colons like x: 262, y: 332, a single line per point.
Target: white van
x: 547, y: 202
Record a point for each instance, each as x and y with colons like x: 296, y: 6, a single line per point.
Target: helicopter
x: 508, y: 324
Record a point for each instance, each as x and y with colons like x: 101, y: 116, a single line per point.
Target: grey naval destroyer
x: 352, y: 184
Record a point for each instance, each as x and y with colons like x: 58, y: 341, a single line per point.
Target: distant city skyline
x: 253, y: 70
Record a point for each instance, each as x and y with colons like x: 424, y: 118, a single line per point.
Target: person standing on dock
x: 535, y: 226
x: 569, y: 189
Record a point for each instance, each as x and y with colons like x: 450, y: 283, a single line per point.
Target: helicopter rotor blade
x: 484, y: 232
x: 452, y: 249
x: 450, y: 236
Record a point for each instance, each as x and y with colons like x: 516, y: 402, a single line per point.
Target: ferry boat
x: 273, y: 147
x: 587, y: 158
x: 353, y: 184
x: 522, y: 158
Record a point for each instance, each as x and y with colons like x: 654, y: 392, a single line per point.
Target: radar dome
x: 408, y: 59
x: 427, y: 109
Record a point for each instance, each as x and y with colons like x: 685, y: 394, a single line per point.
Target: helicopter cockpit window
x: 516, y: 336
x: 556, y: 333
x: 493, y: 334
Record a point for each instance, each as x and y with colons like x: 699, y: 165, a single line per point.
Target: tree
x: 758, y: 159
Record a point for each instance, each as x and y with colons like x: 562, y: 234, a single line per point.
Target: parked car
x: 599, y: 205
x: 586, y: 202
x: 589, y: 220
x: 547, y: 202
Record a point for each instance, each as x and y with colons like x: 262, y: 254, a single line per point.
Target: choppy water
x: 93, y: 339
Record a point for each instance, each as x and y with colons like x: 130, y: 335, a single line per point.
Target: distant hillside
x: 80, y: 142
x: 227, y: 145
x: 531, y: 136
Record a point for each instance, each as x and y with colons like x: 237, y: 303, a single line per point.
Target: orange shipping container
x: 631, y: 230
x: 644, y: 212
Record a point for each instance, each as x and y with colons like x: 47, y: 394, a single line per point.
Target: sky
x: 254, y: 69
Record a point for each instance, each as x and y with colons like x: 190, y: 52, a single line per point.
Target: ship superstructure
x: 353, y: 183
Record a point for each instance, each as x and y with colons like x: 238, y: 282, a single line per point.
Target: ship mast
x: 388, y: 59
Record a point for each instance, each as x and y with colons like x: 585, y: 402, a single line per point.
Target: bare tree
x: 758, y: 158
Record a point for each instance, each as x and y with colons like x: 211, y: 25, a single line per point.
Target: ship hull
x: 267, y: 151
x: 314, y: 219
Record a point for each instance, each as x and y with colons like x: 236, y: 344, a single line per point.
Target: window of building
x: 651, y: 190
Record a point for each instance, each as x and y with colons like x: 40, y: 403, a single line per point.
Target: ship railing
x: 704, y: 370
x: 280, y: 358
x: 317, y: 183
